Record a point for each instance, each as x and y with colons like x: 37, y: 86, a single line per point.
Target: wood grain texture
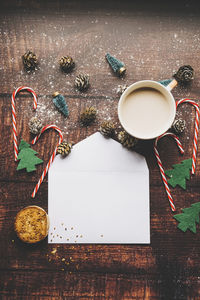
x: 153, y: 42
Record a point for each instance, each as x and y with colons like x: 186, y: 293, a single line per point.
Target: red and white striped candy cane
x: 14, y: 113
x: 196, y: 129
x: 51, y: 158
x: 162, y: 172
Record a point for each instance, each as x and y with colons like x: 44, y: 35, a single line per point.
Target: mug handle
x: 171, y: 85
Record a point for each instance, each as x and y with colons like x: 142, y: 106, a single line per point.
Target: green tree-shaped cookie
x: 189, y: 217
x: 180, y: 173
x: 27, y: 158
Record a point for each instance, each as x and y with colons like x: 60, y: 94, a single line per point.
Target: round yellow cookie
x: 32, y: 224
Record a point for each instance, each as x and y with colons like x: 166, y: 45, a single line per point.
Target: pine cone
x: 82, y: 82
x: 179, y: 126
x: 127, y: 140
x: 35, y: 125
x: 66, y: 63
x: 29, y: 60
x: 88, y: 116
x: 64, y: 148
x: 184, y: 74
x: 121, y: 89
x: 107, y: 128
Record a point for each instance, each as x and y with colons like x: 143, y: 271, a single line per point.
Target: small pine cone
x: 64, y: 148
x: 82, y: 82
x: 121, y: 89
x: 179, y: 126
x: 184, y: 74
x: 30, y: 60
x: 88, y: 116
x: 66, y: 63
x: 107, y: 128
x: 35, y: 125
x: 127, y: 140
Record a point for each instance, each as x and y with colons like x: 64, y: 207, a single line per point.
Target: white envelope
x: 99, y: 194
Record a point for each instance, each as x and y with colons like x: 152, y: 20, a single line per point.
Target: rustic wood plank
x: 153, y: 43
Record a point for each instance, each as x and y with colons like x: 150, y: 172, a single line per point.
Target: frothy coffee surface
x: 145, y: 111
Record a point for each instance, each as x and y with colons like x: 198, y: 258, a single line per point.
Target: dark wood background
x: 153, y: 39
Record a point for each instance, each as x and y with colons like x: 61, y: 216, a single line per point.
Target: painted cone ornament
x: 82, y: 82
x: 117, y: 66
x: 60, y: 103
x: 64, y: 149
x: 66, y: 63
x: 179, y: 126
x: 184, y: 74
x: 127, y: 140
x: 88, y: 116
x: 35, y: 125
x: 107, y: 128
x: 29, y: 60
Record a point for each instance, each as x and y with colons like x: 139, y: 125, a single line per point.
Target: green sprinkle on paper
x: 27, y: 157
x: 179, y: 173
x: 188, y: 218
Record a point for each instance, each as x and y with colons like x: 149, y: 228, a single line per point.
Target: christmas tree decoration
x: 66, y: 63
x: 188, y: 218
x: 35, y: 125
x: 184, y: 74
x: 107, y: 128
x: 117, y: 66
x: 51, y: 158
x: 179, y: 126
x: 64, y: 149
x: 29, y: 60
x: 27, y: 157
x: 179, y: 173
x: 121, y: 89
x: 165, y: 82
x: 82, y: 82
x: 88, y: 116
x: 60, y: 103
x: 127, y: 140
x: 14, y: 121
x: 31, y: 224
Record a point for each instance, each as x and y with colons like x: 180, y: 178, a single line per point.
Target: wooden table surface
x: 153, y: 42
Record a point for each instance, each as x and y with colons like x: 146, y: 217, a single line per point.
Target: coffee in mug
x: 146, y: 109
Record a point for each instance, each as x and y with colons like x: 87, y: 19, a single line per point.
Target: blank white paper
x: 99, y: 194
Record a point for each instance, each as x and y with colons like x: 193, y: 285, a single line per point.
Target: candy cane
x: 196, y: 129
x: 161, y: 166
x: 51, y: 158
x: 14, y: 113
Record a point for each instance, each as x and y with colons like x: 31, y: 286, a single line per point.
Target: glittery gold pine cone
x: 88, y: 116
x: 127, y: 140
x: 66, y: 63
x: 107, y: 128
x: 64, y: 148
x: 82, y: 82
x: 30, y: 60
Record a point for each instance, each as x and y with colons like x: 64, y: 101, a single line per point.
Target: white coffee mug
x: 147, y: 109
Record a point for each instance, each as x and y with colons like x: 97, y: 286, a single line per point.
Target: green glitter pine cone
x: 127, y: 140
x: 88, y: 116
